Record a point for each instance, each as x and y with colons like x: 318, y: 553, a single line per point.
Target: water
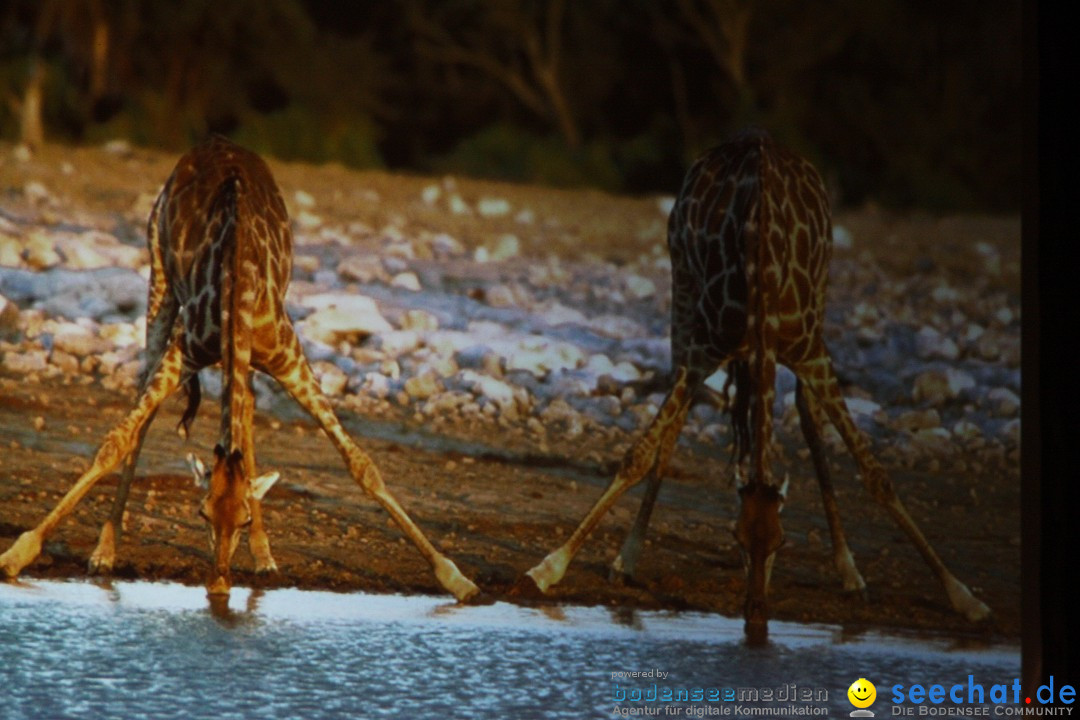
x: 151, y: 650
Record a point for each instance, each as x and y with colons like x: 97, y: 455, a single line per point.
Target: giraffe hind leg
x: 823, y: 383
x: 810, y: 420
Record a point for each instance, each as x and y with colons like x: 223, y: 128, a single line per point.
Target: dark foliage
x: 900, y: 102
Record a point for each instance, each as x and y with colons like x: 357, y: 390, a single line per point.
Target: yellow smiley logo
x: 862, y: 693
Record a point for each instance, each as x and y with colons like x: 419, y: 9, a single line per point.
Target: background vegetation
x: 902, y: 102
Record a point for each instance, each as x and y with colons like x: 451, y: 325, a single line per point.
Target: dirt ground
x: 498, y: 513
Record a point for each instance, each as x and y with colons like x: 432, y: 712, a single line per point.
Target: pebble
x: 931, y: 344
x: 406, y: 281
x: 554, y: 350
x: 490, y: 207
x: 340, y: 317
x: 363, y: 269
x: 1004, y: 402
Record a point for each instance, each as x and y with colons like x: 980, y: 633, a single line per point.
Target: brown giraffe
x: 221, y: 259
x: 750, y: 238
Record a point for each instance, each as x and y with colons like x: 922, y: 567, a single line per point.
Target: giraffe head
x: 227, y: 508
x: 759, y: 534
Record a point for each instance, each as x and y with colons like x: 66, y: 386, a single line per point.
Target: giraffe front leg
x: 625, y: 563
x: 292, y: 371
x: 103, y: 559
x: 258, y: 540
x: 826, y: 391
x: 117, y: 445
x: 810, y: 420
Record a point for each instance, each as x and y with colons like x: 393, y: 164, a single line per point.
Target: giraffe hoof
x: 99, y: 565
x: 265, y: 566
x: 103, y: 558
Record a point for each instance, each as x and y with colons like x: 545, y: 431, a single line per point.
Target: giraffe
x: 221, y: 259
x: 750, y: 241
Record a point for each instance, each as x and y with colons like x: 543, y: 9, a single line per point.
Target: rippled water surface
x: 130, y: 650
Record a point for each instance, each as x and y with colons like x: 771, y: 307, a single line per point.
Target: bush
x: 505, y: 152
x: 295, y: 133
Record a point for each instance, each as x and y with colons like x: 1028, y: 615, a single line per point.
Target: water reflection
x: 124, y: 649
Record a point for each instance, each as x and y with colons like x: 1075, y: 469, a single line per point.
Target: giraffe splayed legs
x: 750, y: 240
x: 221, y: 258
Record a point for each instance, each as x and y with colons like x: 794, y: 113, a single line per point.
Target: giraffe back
x: 750, y: 241
x: 220, y: 211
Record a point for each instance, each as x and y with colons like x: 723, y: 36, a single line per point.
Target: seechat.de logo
x: 974, y: 699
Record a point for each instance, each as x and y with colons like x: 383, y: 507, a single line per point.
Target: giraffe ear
x: 784, y: 488
x: 198, y: 471
x: 263, y: 483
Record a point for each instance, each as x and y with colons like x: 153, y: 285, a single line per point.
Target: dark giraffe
x: 221, y: 259
x: 750, y: 239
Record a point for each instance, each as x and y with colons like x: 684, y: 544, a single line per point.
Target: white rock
x: 431, y: 194
x: 332, y: 379
x: 499, y: 392
x: 555, y: 313
x: 39, y: 253
x: 1005, y: 402
x: 376, y: 384
x: 861, y: 406
x: 342, y: 317
x: 36, y: 192
x: 625, y: 372
x: 406, y: 281
x: 363, y: 269
x: 78, y: 341
x: 490, y: 207
x: 307, y: 220
x: 639, y: 287
x: 559, y: 415
x: 506, y: 247
x: 11, y: 248
x: 457, y: 205
x: 304, y: 199
x: 419, y: 320
x: 541, y: 356
x: 966, y: 430
x: 446, y: 245
x: 930, y: 344
x: 421, y: 387
x: 398, y: 342
x: 665, y: 204
x: 500, y: 296
x: 842, y: 238
x: 25, y: 363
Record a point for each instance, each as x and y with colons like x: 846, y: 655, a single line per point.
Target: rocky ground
x: 497, y: 348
